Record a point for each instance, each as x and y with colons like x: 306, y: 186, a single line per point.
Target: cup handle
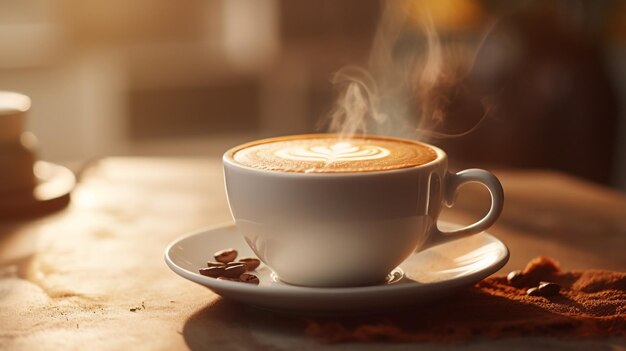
x: 452, y: 183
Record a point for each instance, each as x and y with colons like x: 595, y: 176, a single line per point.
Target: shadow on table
x: 20, y: 258
x: 224, y: 322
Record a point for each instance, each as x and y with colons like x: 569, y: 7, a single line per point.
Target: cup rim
x: 13, y: 103
x: 228, y: 159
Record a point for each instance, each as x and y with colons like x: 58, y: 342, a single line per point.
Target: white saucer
x: 51, y: 193
x: 424, y: 276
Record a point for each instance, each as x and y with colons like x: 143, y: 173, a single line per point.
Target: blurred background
x: 195, y: 77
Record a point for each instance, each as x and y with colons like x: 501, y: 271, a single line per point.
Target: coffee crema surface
x: 333, y: 154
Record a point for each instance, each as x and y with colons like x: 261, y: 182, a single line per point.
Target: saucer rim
x: 37, y: 201
x: 224, y: 285
x: 34, y: 195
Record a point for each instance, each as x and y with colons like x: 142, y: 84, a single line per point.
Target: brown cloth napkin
x: 592, y: 303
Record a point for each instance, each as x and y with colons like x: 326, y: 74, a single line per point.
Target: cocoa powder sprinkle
x: 591, y: 303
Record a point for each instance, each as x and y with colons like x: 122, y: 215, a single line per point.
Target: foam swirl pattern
x: 333, y: 154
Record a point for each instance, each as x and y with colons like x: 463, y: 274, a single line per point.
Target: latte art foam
x: 331, y: 154
x: 342, y: 151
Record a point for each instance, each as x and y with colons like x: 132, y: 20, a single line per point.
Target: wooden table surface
x: 70, y: 280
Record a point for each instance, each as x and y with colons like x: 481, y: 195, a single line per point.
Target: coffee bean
x: 215, y: 264
x: 225, y: 256
x: 249, y: 278
x: 549, y: 288
x: 515, y: 278
x: 533, y: 292
x: 234, y: 271
x: 251, y: 263
x: 212, y: 272
x: 231, y: 264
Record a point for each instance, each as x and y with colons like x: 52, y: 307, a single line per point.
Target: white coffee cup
x: 347, y: 229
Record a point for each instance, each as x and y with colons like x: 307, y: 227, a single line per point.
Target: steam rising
x: 406, y: 89
x: 357, y: 104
